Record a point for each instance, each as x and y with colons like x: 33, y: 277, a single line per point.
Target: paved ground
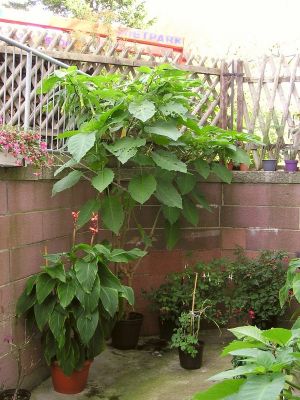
x: 144, y: 374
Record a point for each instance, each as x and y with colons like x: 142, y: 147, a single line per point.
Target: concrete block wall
x: 257, y: 211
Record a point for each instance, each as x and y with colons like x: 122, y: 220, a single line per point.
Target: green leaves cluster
x: 146, y: 124
x: 74, y: 308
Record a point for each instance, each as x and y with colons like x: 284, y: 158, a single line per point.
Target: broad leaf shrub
x: 271, y: 358
x: 144, y: 123
x: 73, y: 302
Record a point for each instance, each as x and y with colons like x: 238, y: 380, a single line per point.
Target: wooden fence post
x: 239, y: 70
x: 224, y: 79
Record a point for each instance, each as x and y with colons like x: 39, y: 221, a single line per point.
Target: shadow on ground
x: 150, y: 373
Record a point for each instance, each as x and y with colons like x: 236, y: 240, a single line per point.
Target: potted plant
x: 256, y: 283
x: 73, y: 302
x: 290, y: 154
x: 269, y: 161
x: 18, y: 147
x: 186, y: 336
x: 136, y: 140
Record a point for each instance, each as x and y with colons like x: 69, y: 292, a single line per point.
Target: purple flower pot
x: 291, y: 165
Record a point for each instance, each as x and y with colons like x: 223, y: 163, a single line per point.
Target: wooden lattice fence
x: 260, y: 96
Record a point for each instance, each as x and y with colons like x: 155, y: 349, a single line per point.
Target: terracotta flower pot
x: 244, y: 167
x: 72, y: 384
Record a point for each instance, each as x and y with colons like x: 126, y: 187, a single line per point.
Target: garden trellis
x: 259, y: 96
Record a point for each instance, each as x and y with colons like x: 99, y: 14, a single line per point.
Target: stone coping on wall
x: 279, y: 177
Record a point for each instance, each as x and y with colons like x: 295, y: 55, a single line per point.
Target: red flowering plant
x: 24, y: 145
x: 256, y: 284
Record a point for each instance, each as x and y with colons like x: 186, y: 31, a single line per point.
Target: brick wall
x: 250, y: 212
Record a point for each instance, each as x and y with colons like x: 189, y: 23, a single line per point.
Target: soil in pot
x: 72, y: 384
x: 125, y: 335
x: 291, y: 165
x: 166, y: 328
x: 269, y: 165
x: 189, y: 362
x: 8, y: 394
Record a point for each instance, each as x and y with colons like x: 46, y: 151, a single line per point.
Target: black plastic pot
x: 272, y: 322
x: 166, y: 328
x: 125, y: 335
x: 269, y: 165
x: 189, y: 362
x: 23, y: 394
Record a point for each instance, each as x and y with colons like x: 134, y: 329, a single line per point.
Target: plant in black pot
x: 186, y: 336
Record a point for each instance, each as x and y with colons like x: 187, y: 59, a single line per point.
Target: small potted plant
x: 269, y: 162
x: 186, y: 336
x: 18, y: 147
x: 73, y: 302
x: 290, y: 154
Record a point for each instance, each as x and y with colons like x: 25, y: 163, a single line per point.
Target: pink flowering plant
x: 24, y: 145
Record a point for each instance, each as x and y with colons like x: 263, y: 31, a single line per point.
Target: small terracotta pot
x: 229, y: 165
x: 72, y: 384
x: 244, y: 167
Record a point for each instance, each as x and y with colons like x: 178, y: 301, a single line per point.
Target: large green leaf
x: 186, y: 183
x: 164, y: 128
x: 89, y: 301
x: 56, y: 272
x: 202, y: 167
x: 239, y: 345
x: 296, y: 287
x: 221, y: 390
x: 262, y: 387
x: 222, y: 172
x: 57, y: 325
x: 190, y: 212
x: 172, y: 108
x: 42, y: 312
x: 125, y: 148
x: 171, y: 214
x: 44, y: 286
x: 86, y: 272
x: 79, y: 145
x: 66, y: 292
x: 108, y: 279
x: 68, y: 181
x: 231, y: 373
x: 103, y: 179
x: 86, y: 325
x: 172, y: 233
x: 97, y: 343
x: 278, y: 335
x: 142, y: 110
x: 141, y: 187
x: 167, y: 194
x: 110, y: 299
x: 200, y: 199
x: 86, y: 211
x: 240, y: 156
x: 167, y: 160
x: 68, y: 164
x: 120, y: 255
x: 25, y: 302
x: 249, y: 331
x: 112, y: 213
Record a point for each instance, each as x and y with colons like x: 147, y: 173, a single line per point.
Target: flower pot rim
x: 85, y: 364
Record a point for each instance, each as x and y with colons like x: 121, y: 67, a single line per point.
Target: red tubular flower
x: 251, y: 314
x: 75, y: 215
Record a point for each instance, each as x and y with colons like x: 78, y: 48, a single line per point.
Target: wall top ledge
x: 279, y: 177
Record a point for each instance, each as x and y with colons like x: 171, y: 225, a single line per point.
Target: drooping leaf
x: 57, y: 325
x: 168, y: 161
x: 164, y: 128
x: 25, y: 302
x: 112, y: 213
x: 250, y: 331
x: 42, y: 312
x: 56, y: 272
x: 143, y: 160
x: 86, y: 325
x: 68, y: 181
x: 240, y: 156
x: 120, y: 255
x: 110, y: 299
x: 89, y: 301
x: 186, y: 183
x: 141, y: 187
x: 108, y: 279
x: 172, y: 233
x: 128, y: 294
x: 221, y: 390
x: 201, y: 200
x: 190, y: 212
x: 278, y: 335
x: 125, y: 148
x: 262, y: 387
x: 44, y: 286
x: 167, y: 194
x: 66, y: 292
x: 202, y: 167
x: 86, y: 272
x: 171, y: 214
x: 86, y: 211
x: 296, y: 287
x: 222, y: 172
x: 79, y: 145
x: 142, y: 110
x: 103, y: 179
x: 238, y: 345
x: 68, y: 164
x: 97, y: 343
x: 283, y: 295
x: 173, y: 108
x: 30, y: 283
